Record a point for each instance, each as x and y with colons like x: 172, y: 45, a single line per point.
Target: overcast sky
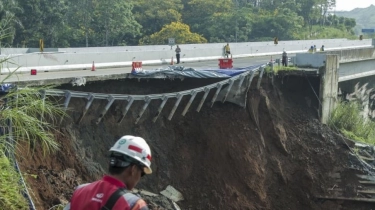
x: 348, y: 5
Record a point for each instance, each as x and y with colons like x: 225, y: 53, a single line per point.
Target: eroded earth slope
x: 273, y: 155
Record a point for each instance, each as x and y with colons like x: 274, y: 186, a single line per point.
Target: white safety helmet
x: 136, y: 148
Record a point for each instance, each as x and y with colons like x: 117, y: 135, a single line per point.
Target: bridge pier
x: 329, y: 82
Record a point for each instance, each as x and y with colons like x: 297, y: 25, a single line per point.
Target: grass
x: 10, y: 189
x: 32, y: 117
x: 348, y: 119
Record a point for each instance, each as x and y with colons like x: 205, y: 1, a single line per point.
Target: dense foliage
x: 78, y: 23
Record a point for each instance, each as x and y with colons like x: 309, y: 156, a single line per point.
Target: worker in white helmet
x: 130, y: 159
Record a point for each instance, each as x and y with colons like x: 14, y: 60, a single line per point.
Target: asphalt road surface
x: 24, y: 77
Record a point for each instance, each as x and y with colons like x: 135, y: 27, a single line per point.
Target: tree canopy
x: 79, y: 23
x: 179, y: 31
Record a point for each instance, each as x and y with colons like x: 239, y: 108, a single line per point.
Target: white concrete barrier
x: 190, y: 53
x: 8, y: 51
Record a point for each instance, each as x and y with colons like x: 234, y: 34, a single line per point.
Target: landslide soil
x: 274, y: 154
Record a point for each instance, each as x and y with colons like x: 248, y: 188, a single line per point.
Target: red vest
x: 94, y: 195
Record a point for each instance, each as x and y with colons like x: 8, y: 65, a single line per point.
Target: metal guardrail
x: 219, y: 86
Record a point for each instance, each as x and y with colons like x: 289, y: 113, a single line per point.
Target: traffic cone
x: 93, y: 66
x: 172, y: 63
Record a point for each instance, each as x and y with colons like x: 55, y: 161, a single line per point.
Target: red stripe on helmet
x: 139, y: 150
x: 135, y: 148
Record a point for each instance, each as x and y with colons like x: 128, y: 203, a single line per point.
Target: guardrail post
x: 260, y: 77
x: 328, y: 87
x: 242, y: 78
x: 179, y: 97
x: 231, y: 82
x: 218, y: 86
x: 90, y: 99
x: 206, y: 91
x: 250, y: 80
x: 147, y: 102
x: 68, y: 96
x: 193, y: 94
x: 126, y: 108
x: 111, y: 99
x: 165, y: 99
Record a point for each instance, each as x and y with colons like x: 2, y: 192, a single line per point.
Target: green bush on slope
x: 348, y: 119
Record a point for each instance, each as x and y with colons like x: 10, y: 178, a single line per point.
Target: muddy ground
x: 272, y: 155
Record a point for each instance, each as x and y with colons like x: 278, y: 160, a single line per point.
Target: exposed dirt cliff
x: 274, y: 154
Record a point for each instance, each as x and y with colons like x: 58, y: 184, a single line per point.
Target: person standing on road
x: 284, y: 59
x: 227, y: 50
x: 311, y: 50
x: 130, y: 159
x: 178, y: 51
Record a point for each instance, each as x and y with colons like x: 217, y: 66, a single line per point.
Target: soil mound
x: 274, y: 154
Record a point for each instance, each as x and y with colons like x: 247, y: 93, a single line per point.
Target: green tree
x: 231, y: 26
x: 114, y: 21
x: 198, y: 14
x: 309, y: 11
x: 8, y: 20
x: 80, y: 19
x: 77, y: 23
x: 42, y: 19
x: 153, y: 15
x: 282, y: 23
x: 179, y: 31
x: 349, y: 23
x: 325, y: 6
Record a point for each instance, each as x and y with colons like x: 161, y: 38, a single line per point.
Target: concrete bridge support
x: 329, y: 82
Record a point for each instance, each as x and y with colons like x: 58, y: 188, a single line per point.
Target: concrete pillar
x: 373, y: 42
x: 328, y: 87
